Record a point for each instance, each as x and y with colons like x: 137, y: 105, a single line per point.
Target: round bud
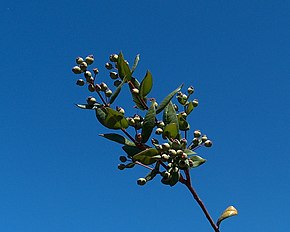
x: 113, y: 58
x: 91, y: 100
x: 160, y: 124
x: 117, y: 83
x: 195, y: 103
x: 120, y: 110
x: 90, y: 59
x: 165, y: 157
x: 91, y: 88
x: 131, y: 121
x: 76, y: 70
x: 88, y: 74
x: 166, y: 175
x: 175, y: 107
x: 104, y: 86
x: 135, y: 91
x: 96, y: 71
x: 175, y: 144
x: 208, y: 143
x: 114, y: 75
x: 195, y: 141
x: 184, y: 115
x: 108, y: 66
x: 108, y: 93
x: 138, y: 137
x: 158, y: 131
x: 137, y: 118
x: 83, y: 66
x: 121, y: 166
x: 181, y: 100
x: 179, y: 152
x: 141, y: 181
x: 203, y: 138
x: 190, y: 90
x: 123, y: 158
x: 79, y: 60
x: 166, y: 146
x: 98, y: 87
x: 183, y: 164
x: 184, y: 156
x: 90, y: 80
x: 196, y: 133
x: 80, y: 82
x: 172, y: 152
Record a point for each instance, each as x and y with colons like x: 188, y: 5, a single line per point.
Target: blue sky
x: 56, y: 174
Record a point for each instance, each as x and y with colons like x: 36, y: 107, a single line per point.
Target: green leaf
x: 146, y: 85
x: 174, y: 179
x: 183, y: 124
x: 189, y: 152
x: 123, y: 68
x: 118, y: 138
x: 167, y: 99
x: 131, y: 151
x: 116, y: 93
x: 111, y: 119
x: 229, y: 212
x: 169, y: 115
x: 148, y: 123
x: 137, y: 58
x: 197, y: 161
x: 146, y: 156
x: 170, y: 131
x: 189, y: 108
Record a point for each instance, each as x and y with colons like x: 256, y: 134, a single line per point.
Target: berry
x: 83, y: 66
x: 76, y: 70
x: 90, y: 59
x: 79, y: 60
x: 208, y: 143
x: 80, y: 82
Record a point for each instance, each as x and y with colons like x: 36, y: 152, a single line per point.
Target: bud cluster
x: 200, y: 140
x: 136, y: 121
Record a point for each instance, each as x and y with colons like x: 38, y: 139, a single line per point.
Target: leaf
x: 146, y: 85
x: 116, y: 93
x: 111, y: 119
x: 167, y: 99
x: 189, y: 152
x: 137, y: 58
x: 146, y: 156
x: 229, y: 212
x: 183, y: 124
x: 197, y: 161
x: 151, y: 175
x: 189, y: 108
x: 88, y: 107
x: 174, y: 179
x: 123, y: 68
x: 169, y: 114
x: 170, y: 131
x: 118, y: 138
x: 148, y: 123
x: 131, y: 151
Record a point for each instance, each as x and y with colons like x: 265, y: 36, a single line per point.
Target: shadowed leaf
x: 183, y: 124
x: 116, y: 93
x: 167, y: 99
x: 169, y: 114
x: 148, y: 123
x: 123, y: 68
x: 118, y: 138
x: 189, y: 108
x: 146, y: 156
x: 197, y: 161
x: 131, y: 151
x: 137, y: 58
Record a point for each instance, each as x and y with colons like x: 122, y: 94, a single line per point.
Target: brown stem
x: 139, y: 145
x: 143, y: 165
x: 188, y: 184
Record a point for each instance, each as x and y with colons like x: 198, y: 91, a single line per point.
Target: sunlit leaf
x: 169, y: 115
x: 123, y: 68
x: 229, y: 212
x: 137, y: 58
x: 116, y: 93
x: 148, y: 123
x: 167, y: 99
x: 170, y: 131
x: 111, y: 119
x: 197, y: 161
x: 146, y: 156
x: 189, y: 152
x: 118, y: 138
x: 146, y: 85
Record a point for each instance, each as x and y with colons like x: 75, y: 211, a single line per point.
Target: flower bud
x: 96, y: 71
x: 98, y: 87
x: 190, y: 90
x: 108, y: 66
x: 117, y: 83
x: 203, y: 138
x: 172, y: 152
x: 123, y: 158
x: 195, y: 141
x: 88, y: 74
x: 90, y: 59
x: 160, y: 124
x: 137, y: 118
x: 121, y: 166
x: 131, y: 121
x: 165, y: 157
x: 113, y: 58
x: 104, y: 86
x: 179, y: 152
x: 114, y: 75
x: 208, y: 143
x: 108, y: 93
x: 175, y: 144
x: 80, y: 82
x: 91, y: 88
x: 184, y: 156
x: 138, y: 137
x: 158, y: 131
x: 76, y: 70
x: 79, y: 60
x: 165, y: 146
x: 184, y: 115
x: 91, y: 100
x: 183, y: 164
x: 135, y: 91
x: 83, y: 66
x: 120, y: 110
x: 90, y: 80
x: 141, y: 181
x: 196, y: 133
x: 175, y: 107
x: 165, y: 175
x: 195, y: 103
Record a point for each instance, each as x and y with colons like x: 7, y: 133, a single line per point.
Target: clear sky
x: 57, y: 174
